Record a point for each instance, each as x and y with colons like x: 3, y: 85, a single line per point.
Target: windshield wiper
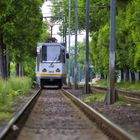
x: 53, y: 60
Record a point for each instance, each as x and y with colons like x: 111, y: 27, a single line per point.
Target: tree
x: 127, y: 28
x: 132, y: 24
x: 20, y: 28
x: 99, y: 50
x: 5, y: 25
x: 45, y: 34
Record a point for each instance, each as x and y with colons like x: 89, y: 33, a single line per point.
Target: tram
x: 51, y: 64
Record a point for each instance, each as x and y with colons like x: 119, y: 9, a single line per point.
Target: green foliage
x: 44, y: 34
x: 132, y: 24
x: 80, y: 55
x: 122, y: 101
x: 4, y: 92
x: 27, y: 34
x: 127, y: 48
x: 94, y: 98
x: 12, y: 69
x: 127, y: 32
x: 81, y: 52
x: 122, y: 41
x: 20, y: 86
x: 29, y: 68
x: 100, y: 83
x: 137, y: 57
x: 103, y: 49
x: 20, y: 28
x: 9, y: 91
x: 13, y: 87
x: 5, y: 116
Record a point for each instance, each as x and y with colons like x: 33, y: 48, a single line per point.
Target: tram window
x: 67, y: 55
x: 50, y: 53
x: 63, y: 56
x: 44, y: 53
x: 53, y: 53
x: 37, y: 62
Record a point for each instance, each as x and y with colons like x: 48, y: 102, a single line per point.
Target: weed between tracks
x: 10, y: 90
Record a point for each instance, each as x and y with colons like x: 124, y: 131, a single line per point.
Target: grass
x: 6, y: 107
x: 20, y: 86
x: 4, y: 117
x: 100, y: 83
x: 9, y: 91
x: 94, y: 98
x: 122, y: 101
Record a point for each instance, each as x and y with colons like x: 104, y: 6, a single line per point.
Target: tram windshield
x: 50, y: 53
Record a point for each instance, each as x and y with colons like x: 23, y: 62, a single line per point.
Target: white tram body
x: 50, y: 64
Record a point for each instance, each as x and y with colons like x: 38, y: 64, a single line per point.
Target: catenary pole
x: 87, y: 49
x: 75, y: 50
x: 111, y: 95
x: 69, y: 5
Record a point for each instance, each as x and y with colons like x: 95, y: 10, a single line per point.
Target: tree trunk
x: 139, y: 75
x: 8, y: 68
x: 102, y: 76
x: 133, y: 78
x: 1, y: 63
x: 122, y: 75
x: 127, y: 74
x: 20, y: 69
x: 8, y: 64
x: 3, y: 60
x: 17, y: 69
x: 106, y: 76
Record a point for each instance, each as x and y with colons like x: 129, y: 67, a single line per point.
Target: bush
x: 4, y: 92
x: 20, y: 86
x: 9, y: 90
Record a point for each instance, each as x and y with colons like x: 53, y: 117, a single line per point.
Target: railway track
x: 55, y: 116
x: 11, y: 130
x: 130, y: 96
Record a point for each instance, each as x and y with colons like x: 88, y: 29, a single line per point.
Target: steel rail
x: 131, y: 99
x: 131, y: 93
x: 8, y: 130
x: 108, y: 126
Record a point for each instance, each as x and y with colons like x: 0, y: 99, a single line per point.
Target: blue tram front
x: 50, y: 64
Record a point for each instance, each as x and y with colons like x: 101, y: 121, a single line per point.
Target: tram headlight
x: 44, y: 70
x: 57, y: 70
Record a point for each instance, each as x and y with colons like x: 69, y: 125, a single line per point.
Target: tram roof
x: 39, y: 45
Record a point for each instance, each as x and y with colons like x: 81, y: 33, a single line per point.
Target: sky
x: 46, y: 12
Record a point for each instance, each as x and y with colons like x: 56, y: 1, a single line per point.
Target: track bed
x: 55, y: 117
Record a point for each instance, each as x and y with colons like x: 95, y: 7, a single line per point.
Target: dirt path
x: 55, y: 118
